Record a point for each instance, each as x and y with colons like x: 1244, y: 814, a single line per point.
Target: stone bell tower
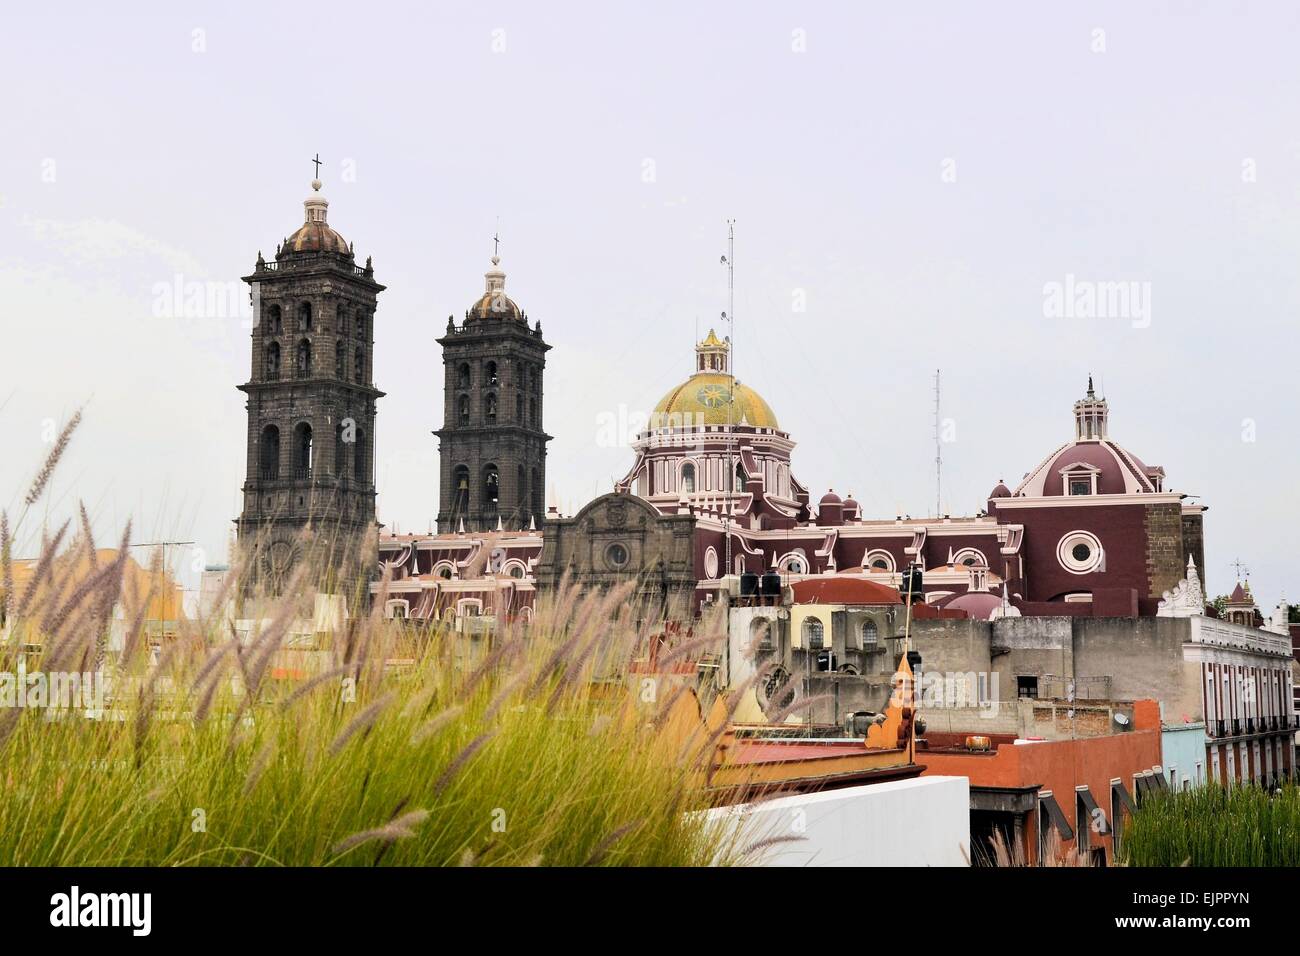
x: 492, y: 449
x: 309, y: 482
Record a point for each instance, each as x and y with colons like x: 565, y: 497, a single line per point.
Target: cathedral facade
x: 711, y: 496
x: 309, y: 476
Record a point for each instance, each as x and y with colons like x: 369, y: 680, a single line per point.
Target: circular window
x: 517, y: 571
x: 711, y: 563
x: 616, y: 555
x: 1079, y: 552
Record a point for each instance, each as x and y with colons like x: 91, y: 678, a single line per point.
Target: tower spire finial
x: 1091, y: 393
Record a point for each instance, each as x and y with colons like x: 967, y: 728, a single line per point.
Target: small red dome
x: 830, y: 498
x: 1000, y: 490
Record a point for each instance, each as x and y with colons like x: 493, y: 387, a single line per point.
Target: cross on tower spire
x: 318, y: 166
x: 1239, y: 567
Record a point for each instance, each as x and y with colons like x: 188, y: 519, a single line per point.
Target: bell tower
x: 492, y: 449
x: 309, y: 480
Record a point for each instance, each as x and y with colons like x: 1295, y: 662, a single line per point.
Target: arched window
x: 274, y: 320
x: 360, y: 366
x: 362, y: 325
x: 340, y: 451
x: 519, y: 408
x: 304, y: 317
x: 303, y: 362
x: 491, y: 488
x: 462, y: 410
x: 340, y: 359
x: 360, y: 459
x: 869, y: 633
x: 268, y: 454
x: 490, y: 408
x: 302, y: 451
x: 740, y: 477
x: 532, y: 411
x: 492, y: 380
x: 460, y: 481
x: 342, y: 325
x: 273, y: 360
x: 462, y: 375
x: 812, y: 633
x: 688, y: 478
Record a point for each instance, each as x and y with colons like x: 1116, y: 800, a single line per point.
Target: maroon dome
x: 1000, y: 490
x: 1115, y: 476
x: 830, y: 498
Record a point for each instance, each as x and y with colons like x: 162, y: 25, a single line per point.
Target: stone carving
x: 1186, y: 599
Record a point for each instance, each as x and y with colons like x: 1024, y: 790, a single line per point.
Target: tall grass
x: 1214, y: 826
x: 203, y: 755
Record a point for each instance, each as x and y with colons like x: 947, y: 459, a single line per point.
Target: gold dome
x: 704, y: 397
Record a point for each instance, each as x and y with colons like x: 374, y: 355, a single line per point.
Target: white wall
x: 924, y: 821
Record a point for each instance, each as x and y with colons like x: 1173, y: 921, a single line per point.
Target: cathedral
x: 710, y: 497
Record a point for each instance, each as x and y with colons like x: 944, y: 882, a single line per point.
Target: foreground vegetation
x: 1213, y: 826
x: 209, y: 751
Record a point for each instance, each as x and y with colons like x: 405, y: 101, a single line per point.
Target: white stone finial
x: 1187, y: 599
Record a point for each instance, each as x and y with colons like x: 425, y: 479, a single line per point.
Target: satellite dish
x: 1122, y: 719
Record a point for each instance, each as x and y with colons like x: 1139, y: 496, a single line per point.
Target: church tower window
x: 492, y: 380
x: 491, y: 488
x: 302, y: 451
x: 360, y: 363
x: 340, y: 359
x: 490, y: 409
x: 340, y: 450
x: 460, y: 484
x: 462, y: 375
x: 303, y: 364
x: 273, y: 360
x: 361, y: 458
x: 304, y: 317
x: 268, y: 454
x: 462, y: 414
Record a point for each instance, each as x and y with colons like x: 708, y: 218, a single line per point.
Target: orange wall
x: 1059, y: 766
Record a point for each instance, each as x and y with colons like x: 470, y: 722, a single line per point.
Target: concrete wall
x: 1108, y: 659
x: 918, y: 822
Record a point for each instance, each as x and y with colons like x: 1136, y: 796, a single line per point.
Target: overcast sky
x: 907, y: 181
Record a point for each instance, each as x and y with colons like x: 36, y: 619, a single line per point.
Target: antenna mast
x: 938, y: 453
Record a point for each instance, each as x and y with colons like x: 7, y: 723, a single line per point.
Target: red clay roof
x: 844, y: 590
